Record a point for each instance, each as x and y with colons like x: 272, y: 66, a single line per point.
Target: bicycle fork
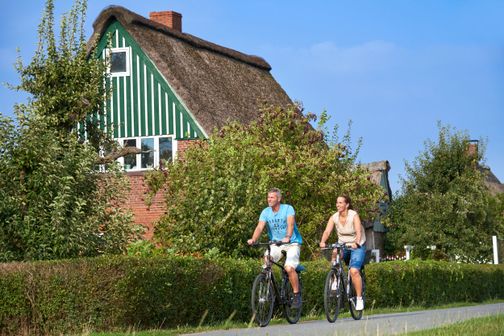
x: 265, y: 292
x: 337, y: 283
x: 347, y: 289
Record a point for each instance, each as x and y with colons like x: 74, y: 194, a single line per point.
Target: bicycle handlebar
x: 271, y: 242
x: 335, y: 246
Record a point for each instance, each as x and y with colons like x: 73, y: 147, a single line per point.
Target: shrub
x: 215, y: 194
x: 109, y: 293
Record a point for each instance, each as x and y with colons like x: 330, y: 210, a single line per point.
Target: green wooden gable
x: 142, y: 103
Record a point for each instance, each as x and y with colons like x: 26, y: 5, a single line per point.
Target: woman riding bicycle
x: 351, y: 233
x: 281, y: 223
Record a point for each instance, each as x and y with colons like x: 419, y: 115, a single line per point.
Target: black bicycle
x: 265, y: 291
x: 339, y: 286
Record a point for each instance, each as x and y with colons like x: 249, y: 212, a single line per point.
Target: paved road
x: 376, y: 325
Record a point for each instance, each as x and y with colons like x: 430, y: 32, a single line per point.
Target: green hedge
x: 107, y: 293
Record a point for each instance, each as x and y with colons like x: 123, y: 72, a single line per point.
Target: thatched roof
x: 216, y: 84
x: 492, y: 182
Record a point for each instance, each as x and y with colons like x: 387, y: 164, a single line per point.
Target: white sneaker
x: 359, y: 305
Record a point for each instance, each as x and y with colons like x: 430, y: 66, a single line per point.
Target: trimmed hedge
x: 107, y: 293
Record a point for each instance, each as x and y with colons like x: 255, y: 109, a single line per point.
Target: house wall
x: 145, y: 215
x: 182, y: 146
x: 141, y: 103
x: 375, y: 240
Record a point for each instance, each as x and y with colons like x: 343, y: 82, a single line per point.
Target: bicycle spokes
x: 263, y: 300
x: 333, y: 292
x: 264, y: 292
x: 334, y: 284
x: 292, y: 312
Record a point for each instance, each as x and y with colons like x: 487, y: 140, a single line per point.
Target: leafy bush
x: 108, y: 293
x: 430, y: 283
x: 54, y: 203
x: 116, y: 292
x: 216, y: 192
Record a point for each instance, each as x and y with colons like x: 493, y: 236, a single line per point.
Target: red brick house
x: 169, y: 88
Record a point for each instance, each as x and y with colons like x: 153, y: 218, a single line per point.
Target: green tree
x: 54, y: 202
x: 215, y: 193
x: 66, y: 85
x: 444, y: 203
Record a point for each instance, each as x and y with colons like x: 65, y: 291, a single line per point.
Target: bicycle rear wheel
x: 333, y: 295
x: 263, y: 300
x: 291, y: 314
x: 352, y: 298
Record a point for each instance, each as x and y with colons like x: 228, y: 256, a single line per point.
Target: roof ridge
x: 126, y: 16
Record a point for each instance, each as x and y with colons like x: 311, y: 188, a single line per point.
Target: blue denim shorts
x: 354, y: 258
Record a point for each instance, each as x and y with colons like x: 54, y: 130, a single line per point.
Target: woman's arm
x: 358, y: 231
x: 327, y: 232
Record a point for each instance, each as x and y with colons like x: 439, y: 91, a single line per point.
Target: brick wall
x: 144, y: 215
x: 147, y: 216
x: 182, y: 145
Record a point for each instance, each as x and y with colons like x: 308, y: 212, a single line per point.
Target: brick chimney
x: 170, y: 19
x: 472, y: 148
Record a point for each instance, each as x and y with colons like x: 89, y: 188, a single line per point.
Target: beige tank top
x: 346, y: 232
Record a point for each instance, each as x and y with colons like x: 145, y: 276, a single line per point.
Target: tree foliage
x: 66, y: 84
x: 444, y: 203
x: 54, y: 203
x: 214, y: 194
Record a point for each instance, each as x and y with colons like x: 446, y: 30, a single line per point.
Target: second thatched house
x: 375, y: 230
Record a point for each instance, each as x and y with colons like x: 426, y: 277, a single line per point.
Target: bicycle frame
x: 340, y: 275
x: 338, y: 267
x: 271, y: 275
x: 281, y: 292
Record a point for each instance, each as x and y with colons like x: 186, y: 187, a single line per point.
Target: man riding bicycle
x: 281, y: 224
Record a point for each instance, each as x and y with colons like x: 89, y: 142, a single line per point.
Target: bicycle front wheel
x: 292, y: 314
x: 352, y: 298
x: 333, y: 295
x: 263, y: 300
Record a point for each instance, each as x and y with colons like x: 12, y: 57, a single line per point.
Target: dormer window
x: 120, y: 60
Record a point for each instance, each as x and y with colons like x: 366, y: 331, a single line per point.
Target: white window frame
x: 108, y: 53
x: 156, y: 151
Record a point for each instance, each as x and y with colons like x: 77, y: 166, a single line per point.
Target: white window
x: 147, y: 157
x: 166, y: 150
x: 130, y: 160
x: 119, y: 61
x: 156, y: 151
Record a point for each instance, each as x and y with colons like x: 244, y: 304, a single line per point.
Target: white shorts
x: 293, y: 252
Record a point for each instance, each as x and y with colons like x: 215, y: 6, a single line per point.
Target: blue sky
x: 394, y: 68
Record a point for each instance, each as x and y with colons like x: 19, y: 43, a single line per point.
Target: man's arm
x: 290, y: 228
x: 257, y: 232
